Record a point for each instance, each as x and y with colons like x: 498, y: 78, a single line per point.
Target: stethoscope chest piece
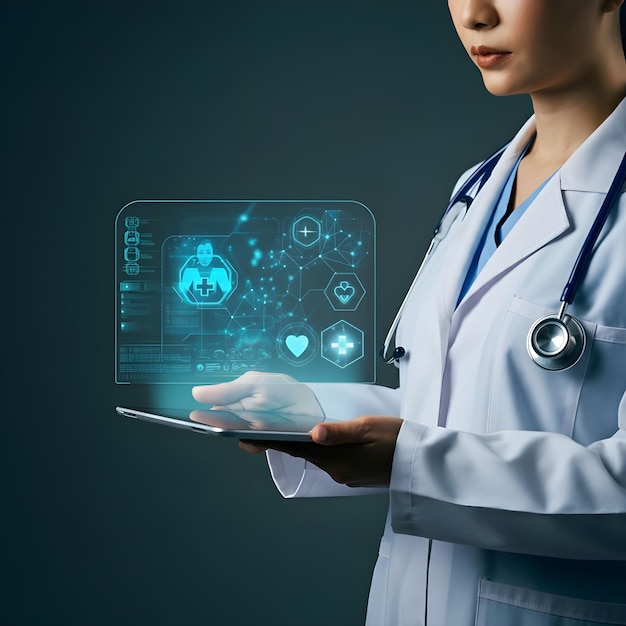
x: 556, y: 342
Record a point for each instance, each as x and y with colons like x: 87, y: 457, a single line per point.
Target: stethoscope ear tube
x: 477, y: 178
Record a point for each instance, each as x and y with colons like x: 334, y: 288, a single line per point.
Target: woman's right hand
x: 256, y: 391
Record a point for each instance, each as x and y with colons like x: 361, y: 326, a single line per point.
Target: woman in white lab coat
x: 507, y: 481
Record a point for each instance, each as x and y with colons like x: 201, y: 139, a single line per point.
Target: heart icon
x: 297, y: 344
x: 344, y: 291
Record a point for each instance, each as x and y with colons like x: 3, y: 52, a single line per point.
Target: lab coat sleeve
x: 295, y: 477
x: 515, y: 491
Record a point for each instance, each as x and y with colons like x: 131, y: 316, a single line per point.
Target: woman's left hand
x: 357, y: 453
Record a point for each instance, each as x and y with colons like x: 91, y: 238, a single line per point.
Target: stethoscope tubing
x: 584, y: 256
x: 480, y: 177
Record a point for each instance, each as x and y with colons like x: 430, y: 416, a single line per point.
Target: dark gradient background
x: 110, y: 521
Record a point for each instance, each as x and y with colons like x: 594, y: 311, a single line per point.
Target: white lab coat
x: 508, y: 489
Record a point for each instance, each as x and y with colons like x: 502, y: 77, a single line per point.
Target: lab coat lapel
x: 590, y: 168
x: 544, y: 220
x: 475, y: 222
x: 593, y: 166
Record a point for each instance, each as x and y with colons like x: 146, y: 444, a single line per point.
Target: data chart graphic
x: 207, y: 290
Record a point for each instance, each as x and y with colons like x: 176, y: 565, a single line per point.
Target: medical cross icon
x: 342, y: 344
x: 306, y: 231
x: 204, y: 286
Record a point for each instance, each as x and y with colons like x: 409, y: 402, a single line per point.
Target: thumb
x: 334, y: 434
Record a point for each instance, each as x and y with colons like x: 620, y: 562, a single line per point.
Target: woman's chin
x: 500, y: 86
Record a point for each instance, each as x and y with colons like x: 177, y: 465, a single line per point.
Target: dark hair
x: 622, y: 25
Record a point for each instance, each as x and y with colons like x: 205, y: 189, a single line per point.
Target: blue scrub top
x: 498, y: 227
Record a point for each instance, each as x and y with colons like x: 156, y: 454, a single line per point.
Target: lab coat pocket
x: 524, y: 396
x: 503, y: 604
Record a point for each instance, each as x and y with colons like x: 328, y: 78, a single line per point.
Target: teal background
x: 110, y: 521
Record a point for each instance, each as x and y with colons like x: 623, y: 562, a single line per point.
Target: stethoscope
x: 555, y: 341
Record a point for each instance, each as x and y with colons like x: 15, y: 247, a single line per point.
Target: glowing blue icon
x: 132, y: 269
x: 306, y: 231
x: 297, y: 343
x: 206, y: 279
x: 131, y: 254
x: 131, y: 237
x: 345, y: 291
x: 342, y: 344
x: 131, y: 222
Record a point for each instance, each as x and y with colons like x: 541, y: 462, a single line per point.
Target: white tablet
x: 250, y: 425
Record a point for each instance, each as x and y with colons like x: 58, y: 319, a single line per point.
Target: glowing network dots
x: 300, y: 276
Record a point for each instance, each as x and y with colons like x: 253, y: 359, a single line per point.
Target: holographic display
x: 207, y: 290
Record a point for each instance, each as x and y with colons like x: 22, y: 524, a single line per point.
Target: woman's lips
x: 489, y: 57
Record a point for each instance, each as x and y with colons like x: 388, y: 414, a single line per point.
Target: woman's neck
x: 567, y: 117
x: 564, y: 120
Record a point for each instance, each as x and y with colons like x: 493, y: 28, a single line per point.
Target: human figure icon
x: 205, y: 279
